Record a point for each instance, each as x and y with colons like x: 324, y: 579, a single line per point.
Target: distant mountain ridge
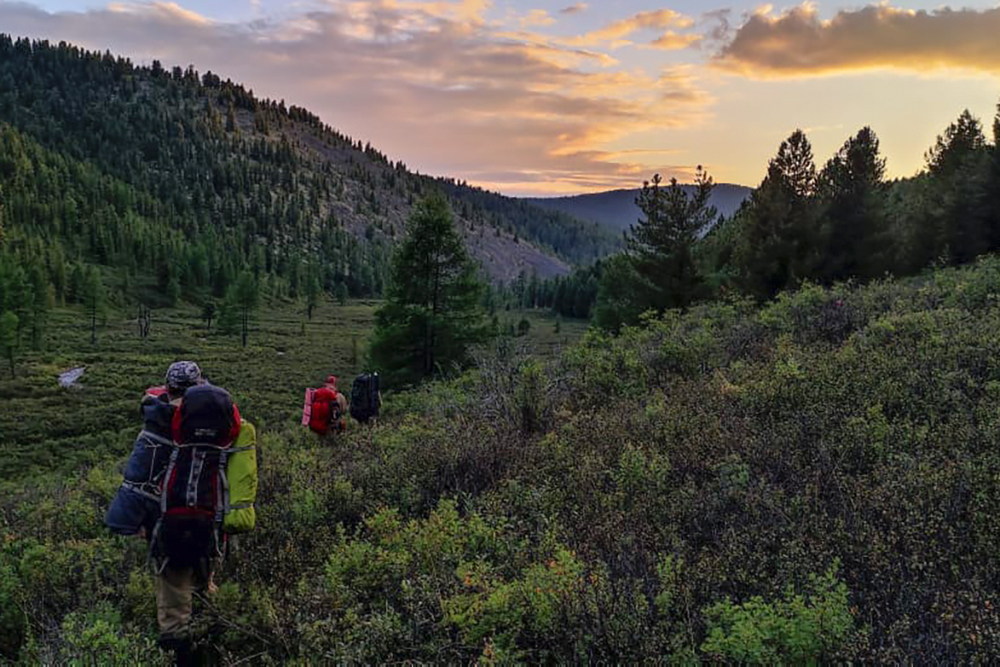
x: 616, y: 209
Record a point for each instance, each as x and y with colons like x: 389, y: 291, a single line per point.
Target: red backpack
x: 324, y: 413
x: 193, y: 501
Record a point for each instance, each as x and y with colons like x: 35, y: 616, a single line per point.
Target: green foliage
x: 163, y: 174
x: 779, y: 246
x: 432, y: 313
x: 797, y: 629
x: 96, y: 636
x: 851, y: 195
x: 617, y: 307
x: 661, y: 246
x: 340, y: 293
x: 95, y: 299
x: 13, y: 622
x: 508, y: 612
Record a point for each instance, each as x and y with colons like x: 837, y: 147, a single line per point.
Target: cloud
x: 430, y: 82
x: 798, y: 42
x: 672, y: 41
x: 536, y: 17
x: 169, y: 12
x: 616, y: 32
x: 575, y: 9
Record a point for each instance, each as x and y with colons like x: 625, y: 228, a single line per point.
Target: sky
x: 550, y: 97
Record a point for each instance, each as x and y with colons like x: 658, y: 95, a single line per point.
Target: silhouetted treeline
x: 843, y: 222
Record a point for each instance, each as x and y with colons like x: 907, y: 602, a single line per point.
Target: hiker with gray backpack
x: 190, y: 483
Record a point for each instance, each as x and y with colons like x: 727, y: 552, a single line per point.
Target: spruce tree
x: 432, y: 312
x: 851, y: 191
x: 779, y: 244
x: 956, y: 223
x: 3, y: 229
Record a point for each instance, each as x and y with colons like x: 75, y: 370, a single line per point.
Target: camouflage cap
x: 183, y: 374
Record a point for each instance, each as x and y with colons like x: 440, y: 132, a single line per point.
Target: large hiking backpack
x: 365, y: 397
x: 324, y: 413
x: 195, y: 490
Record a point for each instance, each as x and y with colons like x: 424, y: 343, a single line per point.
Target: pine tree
x: 779, y: 246
x: 956, y: 224
x: 432, y: 312
x: 618, y: 302
x: 661, y: 245
x: 208, y: 313
x: 312, y: 293
x: 3, y: 229
x: 994, y: 187
x: 851, y: 190
x: 94, y: 300
x: 246, y: 296
x: 340, y: 292
x: 231, y: 118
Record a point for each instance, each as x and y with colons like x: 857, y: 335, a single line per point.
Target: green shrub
x: 797, y: 629
x: 96, y: 636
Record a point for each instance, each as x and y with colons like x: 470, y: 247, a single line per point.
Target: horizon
x: 555, y: 99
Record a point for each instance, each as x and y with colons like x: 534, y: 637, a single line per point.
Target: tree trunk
x: 10, y: 357
x: 244, y: 327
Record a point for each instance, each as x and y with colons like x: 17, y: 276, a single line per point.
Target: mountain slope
x: 272, y: 184
x: 616, y: 209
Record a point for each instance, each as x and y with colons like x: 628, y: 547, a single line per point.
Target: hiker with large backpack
x: 325, y: 409
x: 366, y: 398
x: 198, y: 487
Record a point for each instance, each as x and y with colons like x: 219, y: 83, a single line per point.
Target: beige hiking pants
x: 174, y: 588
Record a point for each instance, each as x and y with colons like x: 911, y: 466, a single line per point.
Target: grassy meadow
x: 45, y: 428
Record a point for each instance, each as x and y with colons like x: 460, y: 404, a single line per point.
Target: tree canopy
x: 432, y: 312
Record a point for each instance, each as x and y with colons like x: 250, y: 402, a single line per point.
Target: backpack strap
x: 157, y: 439
x: 142, y: 490
x: 222, y: 498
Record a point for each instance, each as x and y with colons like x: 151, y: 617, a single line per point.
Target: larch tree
x: 432, y: 312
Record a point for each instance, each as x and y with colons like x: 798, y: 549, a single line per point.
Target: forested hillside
x: 189, y: 178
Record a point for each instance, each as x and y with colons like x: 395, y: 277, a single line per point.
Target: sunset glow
x: 537, y: 97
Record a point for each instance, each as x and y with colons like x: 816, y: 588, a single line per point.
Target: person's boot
x: 181, y: 647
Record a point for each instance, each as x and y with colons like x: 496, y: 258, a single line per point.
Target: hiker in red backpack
x: 328, y: 409
x: 186, y: 543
